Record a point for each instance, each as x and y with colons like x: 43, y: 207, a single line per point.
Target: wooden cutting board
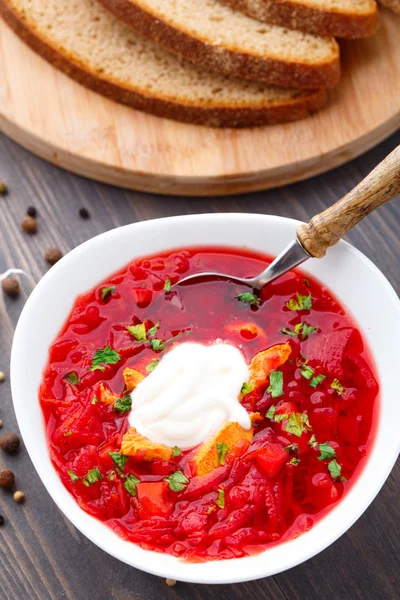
x: 74, y: 128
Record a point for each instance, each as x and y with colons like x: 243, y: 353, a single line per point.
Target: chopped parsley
x: 119, y: 459
x: 157, y: 344
x: 106, y: 356
x: 68, y: 434
x: 336, y: 385
x: 292, y: 449
x: 130, y: 484
x: 246, y: 388
x: 122, y: 405
x: 326, y: 451
x: 92, y: 476
x: 152, y: 365
x: 72, y: 378
x: 301, y: 328
x: 280, y: 417
x: 153, y: 330
x: 138, y: 332
x: 306, y: 281
x: 220, y: 501
x: 95, y: 400
x: 248, y: 298
x: 176, y: 451
x: 300, y: 302
x: 306, y: 371
x: 315, y: 381
x: 275, y: 387
x: 335, y: 470
x: 297, y: 423
x: 271, y: 414
x: 312, y: 441
x: 167, y: 286
x: 294, y: 461
x: 107, y: 291
x: 177, y: 481
x: 222, y: 450
x: 74, y: 478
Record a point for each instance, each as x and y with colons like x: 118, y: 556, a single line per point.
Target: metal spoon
x: 327, y: 228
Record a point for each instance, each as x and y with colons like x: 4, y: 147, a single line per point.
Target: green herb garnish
x: 92, y: 477
x: 288, y: 332
x: 246, y: 388
x: 335, y: 470
x: 177, y: 481
x: 271, y: 412
x: 107, y: 291
x: 68, y: 434
x: 138, y: 332
x: 302, y: 328
x: 326, y: 451
x: 312, y: 441
x: 152, y: 365
x: 130, y: 484
x: 119, y: 459
x: 306, y: 281
x: 336, y: 385
x: 300, y: 303
x: 315, y: 381
x: 220, y: 501
x: 294, y: 461
x: 74, y: 478
x: 153, y: 330
x: 157, y: 344
x: 176, y: 451
x: 248, y: 298
x: 306, y: 371
x: 122, y: 405
x: 106, y: 356
x: 95, y: 400
x: 297, y: 424
x: 72, y: 378
x: 167, y: 286
x: 275, y: 387
x: 292, y: 449
x: 222, y: 450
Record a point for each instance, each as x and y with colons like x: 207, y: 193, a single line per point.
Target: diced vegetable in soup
x: 284, y: 431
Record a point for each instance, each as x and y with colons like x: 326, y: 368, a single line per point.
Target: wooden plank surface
x: 43, y: 556
x: 93, y: 136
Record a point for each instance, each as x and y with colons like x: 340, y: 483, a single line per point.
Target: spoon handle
x: 327, y: 228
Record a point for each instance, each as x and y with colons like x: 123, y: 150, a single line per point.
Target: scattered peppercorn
x: 1, y: 423
x: 3, y: 189
x: 18, y: 496
x: 170, y: 582
x: 84, y: 213
x: 53, y: 255
x: 7, y: 479
x: 29, y: 224
x: 10, y: 286
x: 10, y: 442
x: 1, y: 520
x: 2, y: 376
x: 31, y: 212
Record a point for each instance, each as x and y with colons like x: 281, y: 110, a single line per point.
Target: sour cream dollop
x: 190, y: 395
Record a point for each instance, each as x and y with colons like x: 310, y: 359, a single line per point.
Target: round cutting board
x: 74, y: 128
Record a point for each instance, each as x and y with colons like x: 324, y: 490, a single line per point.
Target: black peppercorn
x: 7, y: 479
x: 84, y: 213
x: 1, y: 520
x: 10, y: 286
x: 31, y: 212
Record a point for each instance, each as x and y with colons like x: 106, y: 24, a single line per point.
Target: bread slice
x: 341, y: 18
x: 393, y: 4
x: 96, y: 49
x: 213, y: 35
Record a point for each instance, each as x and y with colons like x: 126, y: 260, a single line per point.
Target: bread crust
x: 393, y: 4
x: 211, y: 116
x: 299, y: 15
x: 225, y: 60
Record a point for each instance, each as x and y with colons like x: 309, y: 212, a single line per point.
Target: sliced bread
x: 341, y: 18
x: 393, y: 4
x: 213, y: 35
x: 96, y: 49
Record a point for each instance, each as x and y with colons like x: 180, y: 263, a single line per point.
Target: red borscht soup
x: 311, y: 395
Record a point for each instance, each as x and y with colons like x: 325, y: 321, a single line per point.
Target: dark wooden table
x: 42, y: 555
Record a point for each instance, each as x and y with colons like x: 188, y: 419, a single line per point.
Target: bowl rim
x: 151, y: 563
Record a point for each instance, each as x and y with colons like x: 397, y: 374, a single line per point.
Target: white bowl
x: 348, y: 273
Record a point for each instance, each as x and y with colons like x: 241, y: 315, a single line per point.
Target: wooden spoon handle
x: 327, y: 228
